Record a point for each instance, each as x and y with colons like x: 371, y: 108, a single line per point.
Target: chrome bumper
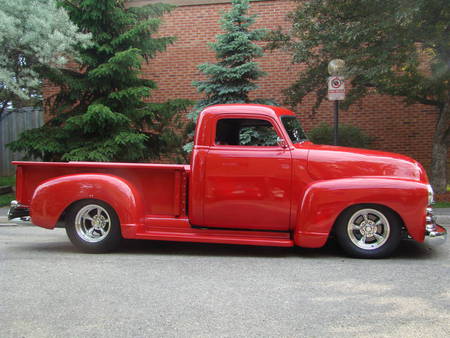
x: 434, y: 233
x: 18, y: 212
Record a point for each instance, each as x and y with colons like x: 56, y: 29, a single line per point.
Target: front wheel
x: 93, y: 226
x: 368, y: 231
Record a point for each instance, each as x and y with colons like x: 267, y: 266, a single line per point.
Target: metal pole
x: 336, y: 122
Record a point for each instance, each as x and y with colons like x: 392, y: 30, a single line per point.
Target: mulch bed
x: 6, y: 189
x: 442, y: 197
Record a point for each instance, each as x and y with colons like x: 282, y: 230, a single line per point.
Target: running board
x: 262, y: 238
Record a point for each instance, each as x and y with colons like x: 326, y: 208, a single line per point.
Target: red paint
x: 294, y: 193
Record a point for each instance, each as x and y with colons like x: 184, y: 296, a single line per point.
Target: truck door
x: 247, y: 176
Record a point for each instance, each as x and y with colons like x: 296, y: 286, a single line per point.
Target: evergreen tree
x: 232, y: 78
x: 100, y: 113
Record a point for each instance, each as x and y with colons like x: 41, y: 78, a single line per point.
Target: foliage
x: 349, y: 136
x: 7, y: 180
x: 397, y: 47
x: 442, y: 204
x: 6, y: 199
x: 259, y: 135
x: 100, y: 113
x: 232, y: 78
x: 34, y: 33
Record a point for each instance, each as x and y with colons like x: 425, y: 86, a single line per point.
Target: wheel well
x: 62, y: 219
x: 395, y: 213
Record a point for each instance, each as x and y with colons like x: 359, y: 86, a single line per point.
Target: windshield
x: 293, y: 128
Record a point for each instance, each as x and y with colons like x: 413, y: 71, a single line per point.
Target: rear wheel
x: 93, y: 226
x: 368, y: 231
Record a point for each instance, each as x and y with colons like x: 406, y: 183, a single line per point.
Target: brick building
x: 397, y: 127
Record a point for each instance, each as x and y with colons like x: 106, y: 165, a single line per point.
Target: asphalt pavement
x: 169, y: 289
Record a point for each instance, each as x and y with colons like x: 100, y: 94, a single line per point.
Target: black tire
x: 93, y: 226
x: 368, y: 231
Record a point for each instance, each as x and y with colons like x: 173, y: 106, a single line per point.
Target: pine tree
x: 232, y: 78
x: 100, y: 113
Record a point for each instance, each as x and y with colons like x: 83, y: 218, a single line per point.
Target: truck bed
x: 163, y: 186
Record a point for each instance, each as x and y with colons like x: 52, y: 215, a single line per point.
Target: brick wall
x: 397, y: 128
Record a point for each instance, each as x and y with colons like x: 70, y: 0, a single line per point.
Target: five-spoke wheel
x: 92, y: 223
x: 368, y: 231
x: 93, y: 226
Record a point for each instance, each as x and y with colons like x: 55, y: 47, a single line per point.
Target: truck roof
x: 239, y: 108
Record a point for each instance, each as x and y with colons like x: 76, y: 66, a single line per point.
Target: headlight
x: 430, y: 195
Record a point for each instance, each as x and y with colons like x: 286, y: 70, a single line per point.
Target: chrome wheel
x: 92, y: 223
x: 368, y: 229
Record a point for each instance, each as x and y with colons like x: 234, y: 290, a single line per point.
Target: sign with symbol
x: 336, y: 88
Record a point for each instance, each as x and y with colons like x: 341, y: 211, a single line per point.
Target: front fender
x: 53, y: 196
x: 324, y: 201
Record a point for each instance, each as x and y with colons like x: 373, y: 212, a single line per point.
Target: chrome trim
x: 434, y: 233
x: 18, y: 212
x: 430, y: 195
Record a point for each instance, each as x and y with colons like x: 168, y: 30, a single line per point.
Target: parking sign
x: 336, y: 88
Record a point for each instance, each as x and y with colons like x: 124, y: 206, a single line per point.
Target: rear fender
x: 324, y: 201
x: 52, y: 197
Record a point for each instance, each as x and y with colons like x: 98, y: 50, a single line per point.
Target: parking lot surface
x: 168, y: 289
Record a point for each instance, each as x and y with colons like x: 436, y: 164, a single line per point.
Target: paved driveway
x: 161, y: 289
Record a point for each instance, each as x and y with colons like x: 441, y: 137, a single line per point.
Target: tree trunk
x: 441, y: 140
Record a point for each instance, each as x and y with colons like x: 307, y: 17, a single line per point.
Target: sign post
x: 336, y: 91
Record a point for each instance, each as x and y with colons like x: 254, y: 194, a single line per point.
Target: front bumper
x: 18, y: 212
x: 434, y: 233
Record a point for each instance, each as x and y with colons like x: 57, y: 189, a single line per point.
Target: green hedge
x: 349, y: 136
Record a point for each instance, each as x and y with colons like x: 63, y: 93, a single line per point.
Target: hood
x: 330, y: 162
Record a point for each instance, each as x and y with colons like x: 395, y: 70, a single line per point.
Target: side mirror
x: 282, y: 143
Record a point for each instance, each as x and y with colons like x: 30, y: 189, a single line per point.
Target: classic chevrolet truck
x: 254, y: 179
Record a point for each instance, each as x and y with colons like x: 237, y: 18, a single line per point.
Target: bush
x: 349, y: 136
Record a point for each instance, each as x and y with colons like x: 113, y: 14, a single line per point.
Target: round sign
x: 336, y: 82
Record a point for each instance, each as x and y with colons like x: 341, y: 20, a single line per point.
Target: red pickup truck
x: 254, y: 179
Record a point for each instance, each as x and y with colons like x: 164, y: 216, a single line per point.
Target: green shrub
x: 7, y: 180
x: 349, y: 136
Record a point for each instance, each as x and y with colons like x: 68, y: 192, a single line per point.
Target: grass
x: 7, y: 198
x: 7, y: 180
x: 441, y: 205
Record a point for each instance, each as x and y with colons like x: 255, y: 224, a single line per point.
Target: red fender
x: 53, y: 196
x: 324, y: 201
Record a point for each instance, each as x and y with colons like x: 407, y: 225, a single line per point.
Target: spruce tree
x: 232, y: 78
x: 100, y: 112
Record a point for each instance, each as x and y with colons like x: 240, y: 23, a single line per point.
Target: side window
x: 245, y: 132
